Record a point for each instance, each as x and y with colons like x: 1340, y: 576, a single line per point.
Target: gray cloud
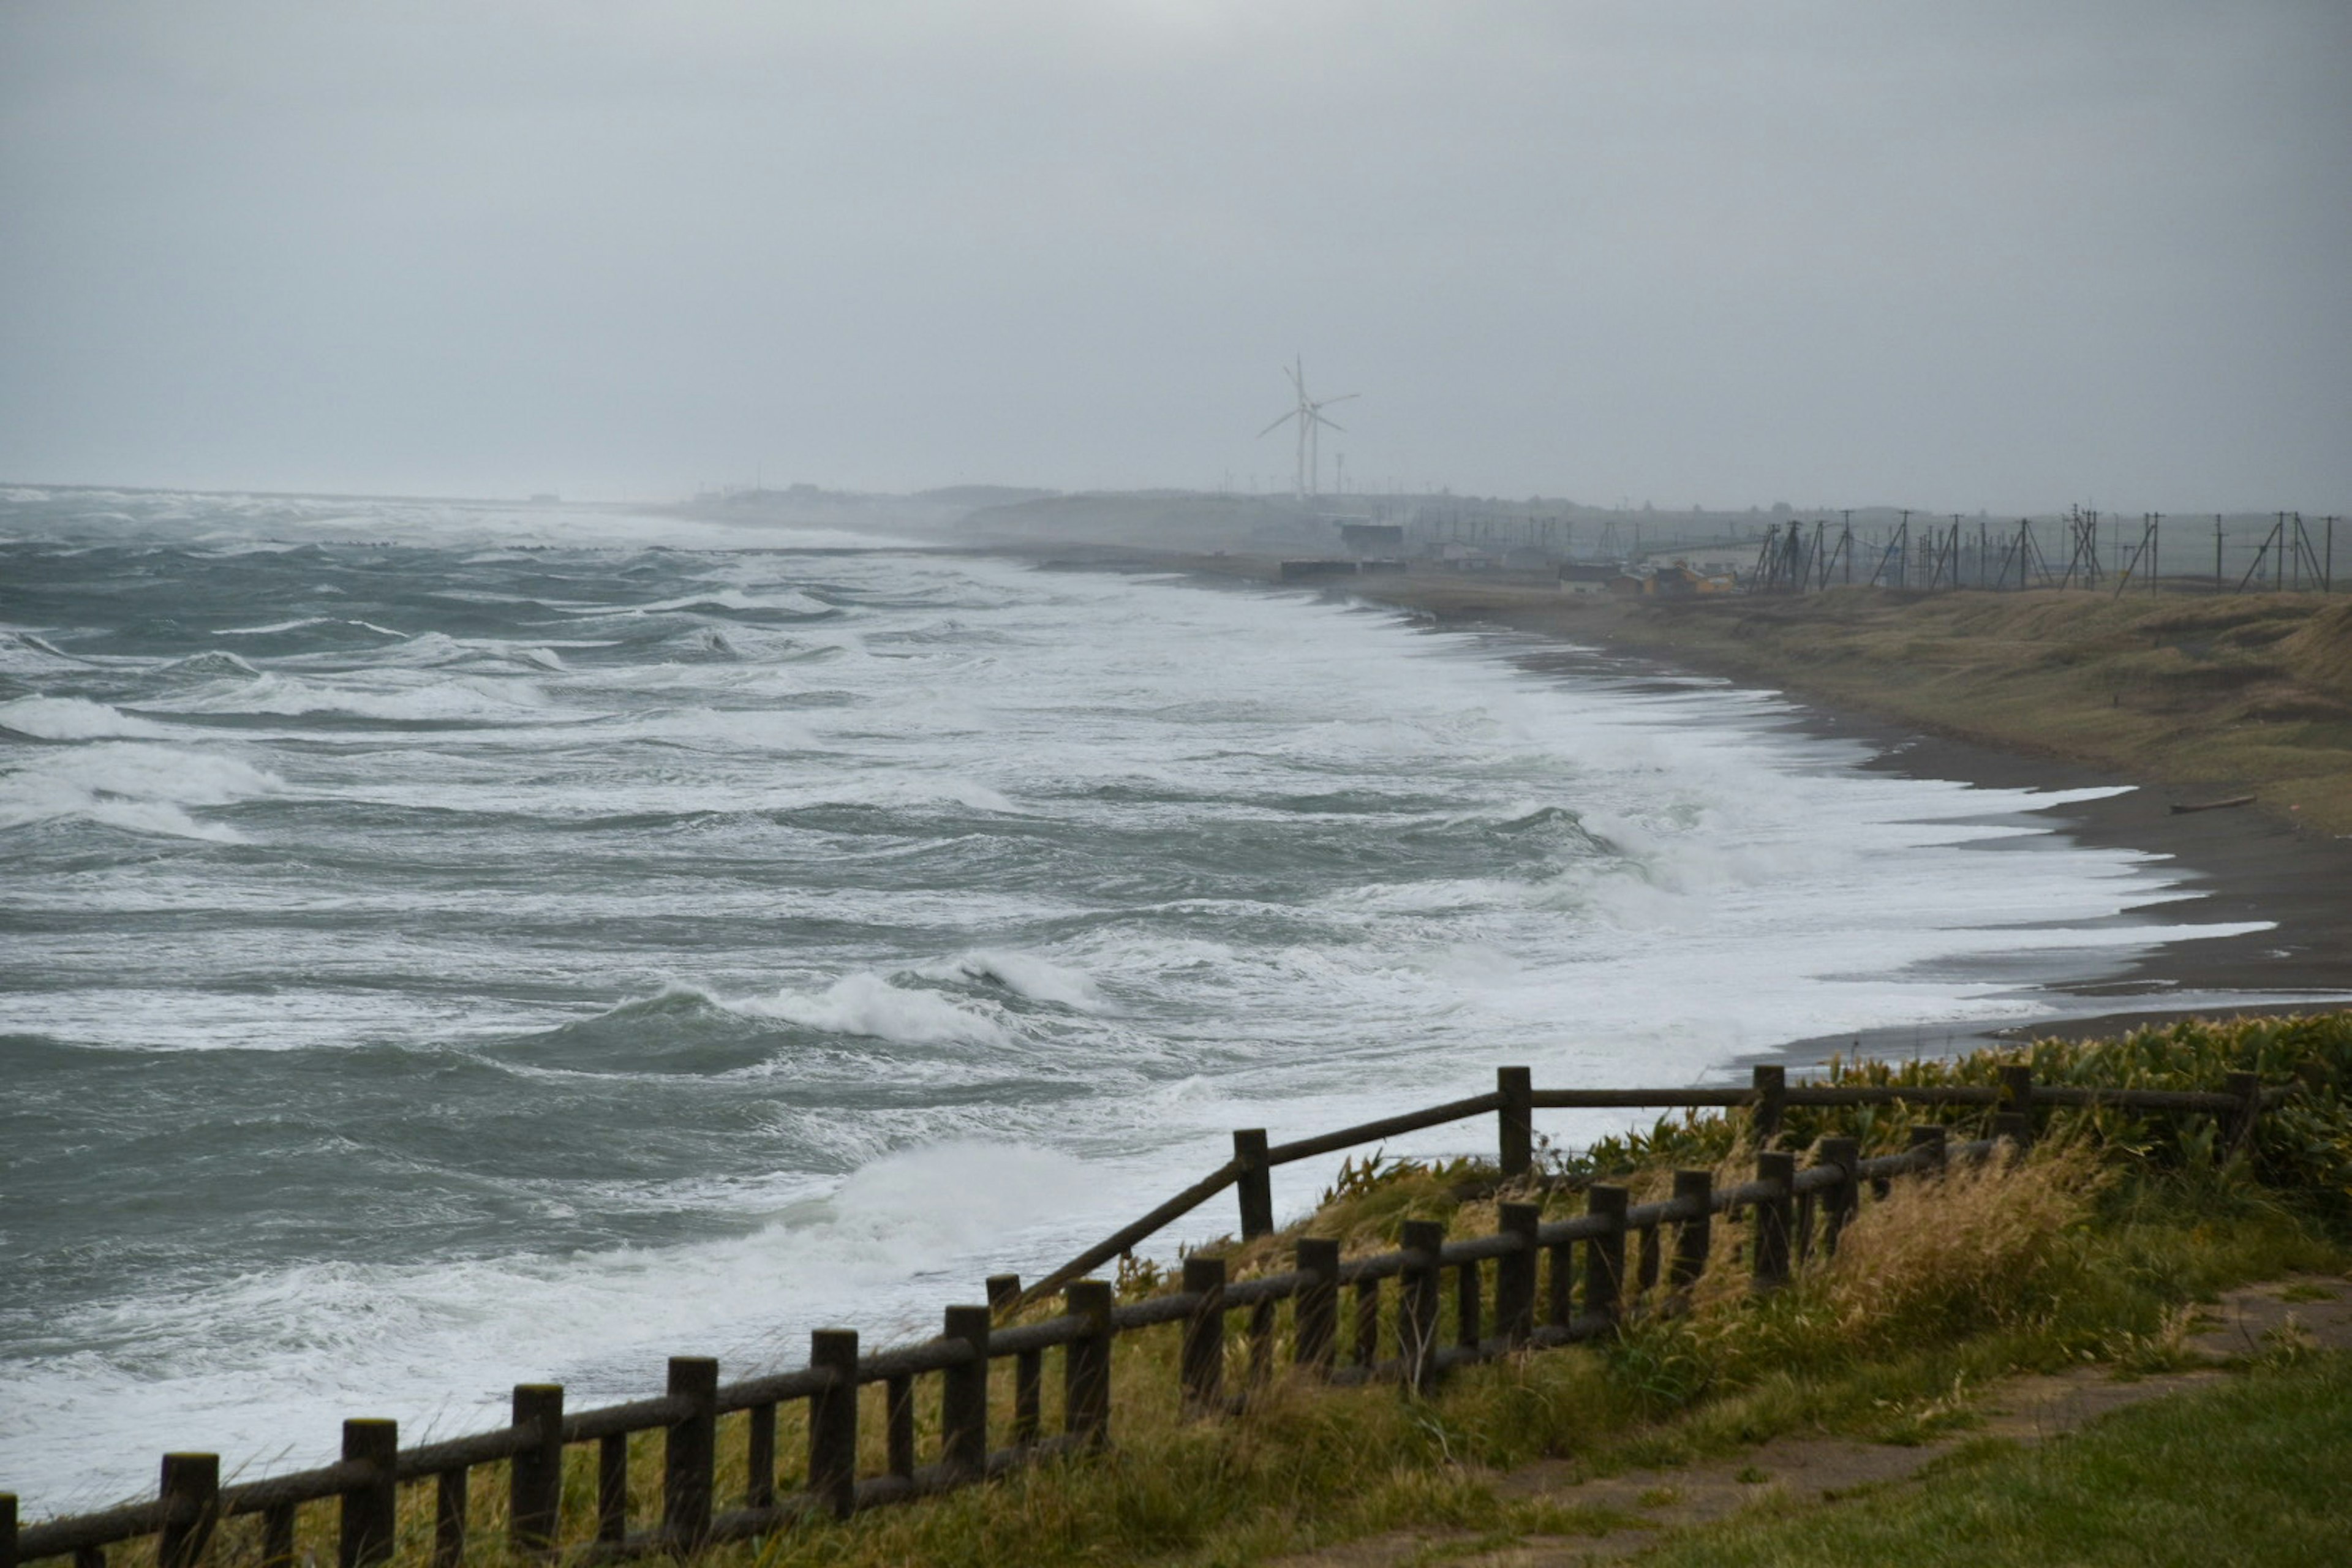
x: 1996, y: 255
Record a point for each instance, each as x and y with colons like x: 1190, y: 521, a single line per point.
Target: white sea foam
x: 135, y: 787
x: 305, y: 623
x: 414, y: 699
x: 75, y: 718
x: 1025, y: 974
x: 866, y: 1003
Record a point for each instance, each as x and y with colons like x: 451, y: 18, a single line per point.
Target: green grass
x: 2254, y: 1471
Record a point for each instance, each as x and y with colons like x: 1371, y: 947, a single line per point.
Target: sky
x: 2000, y: 254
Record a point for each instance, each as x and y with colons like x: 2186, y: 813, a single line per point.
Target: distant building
x: 1373, y: 538
x: 1575, y: 578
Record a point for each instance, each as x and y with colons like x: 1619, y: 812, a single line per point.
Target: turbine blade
x: 1279, y: 422
x: 1333, y: 423
x: 1341, y: 398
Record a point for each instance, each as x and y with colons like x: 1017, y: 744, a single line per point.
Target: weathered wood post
x: 2016, y: 1101
x: 1778, y: 1168
x: 760, y: 1455
x: 1417, y: 1299
x: 1086, y: 1364
x: 1201, y: 1361
x: 963, y: 1397
x: 369, y: 1508
x: 449, y: 1506
x: 612, y: 1488
x: 1931, y: 1141
x: 1255, y: 1184
x: 535, y: 1477
x: 1772, y: 1085
x: 1469, y: 1304
x: 277, y: 1536
x: 1844, y: 1199
x: 691, y: 1453
x: 1515, y: 1274
x: 7, y: 1530
x: 1604, y: 1255
x: 833, y: 1422
x: 898, y: 1425
x: 1028, y: 1366
x: 1367, y: 1321
x: 1695, y: 1236
x: 191, y: 1497
x: 2248, y: 1087
x: 1516, y: 1121
x: 1315, y: 1311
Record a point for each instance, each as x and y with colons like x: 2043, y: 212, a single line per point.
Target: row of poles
x: 2292, y: 556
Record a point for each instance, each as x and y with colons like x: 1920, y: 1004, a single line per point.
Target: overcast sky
x: 1947, y: 256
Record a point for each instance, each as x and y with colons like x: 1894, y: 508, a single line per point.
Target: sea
x: 449, y: 945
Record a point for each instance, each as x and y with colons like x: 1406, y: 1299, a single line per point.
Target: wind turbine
x: 1309, y: 415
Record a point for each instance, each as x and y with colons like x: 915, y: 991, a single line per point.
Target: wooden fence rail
x: 1634, y: 1256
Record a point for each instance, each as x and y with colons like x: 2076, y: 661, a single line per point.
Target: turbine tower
x: 1309, y: 415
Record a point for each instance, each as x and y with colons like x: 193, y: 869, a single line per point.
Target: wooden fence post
x: 2017, y: 1092
x: 449, y: 1508
x: 1201, y: 1365
x: 1028, y: 1366
x: 1604, y: 1255
x: 2248, y: 1087
x: 612, y: 1488
x: 963, y: 1397
x: 191, y: 1499
x: 1515, y: 1274
x: 1367, y: 1321
x: 1844, y: 1199
x: 277, y: 1536
x: 1778, y: 1168
x: 691, y: 1453
x: 760, y: 1455
x: 1255, y: 1184
x: 1694, y: 1237
x: 369, y: 1508
x: 1315, y: 1314
x: 1516, y: 1121
x: 833, y: 1422
x: 535, y: 1477
x: 1932, y: 1140
x: 7, y: 1530
x: 1417, y: 1303
x: 1086, y: 1364
x: 1771, y: 1097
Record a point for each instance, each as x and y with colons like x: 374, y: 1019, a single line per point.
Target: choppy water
x: 444, y: 948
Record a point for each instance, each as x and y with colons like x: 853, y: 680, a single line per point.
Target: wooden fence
x: 1634, y: 1256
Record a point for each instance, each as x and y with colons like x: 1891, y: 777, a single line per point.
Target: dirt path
x: 1821, y: 1470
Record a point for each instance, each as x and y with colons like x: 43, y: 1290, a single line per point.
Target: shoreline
x: 2233, y: 866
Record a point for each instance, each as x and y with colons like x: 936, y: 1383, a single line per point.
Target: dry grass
x: 2215, y: 695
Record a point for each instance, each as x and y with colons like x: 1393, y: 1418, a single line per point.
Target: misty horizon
x: 2000, y: 261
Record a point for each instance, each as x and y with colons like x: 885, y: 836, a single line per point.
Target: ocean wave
x: 75, y: 718
x: 789, y: 602
x: 212, y: 661
x: 135, y: 787
x: 1024, y: 974
x: 866, y: 1003
x: 307, y: 622
x: 26, y: 653
x: 459, y: 698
